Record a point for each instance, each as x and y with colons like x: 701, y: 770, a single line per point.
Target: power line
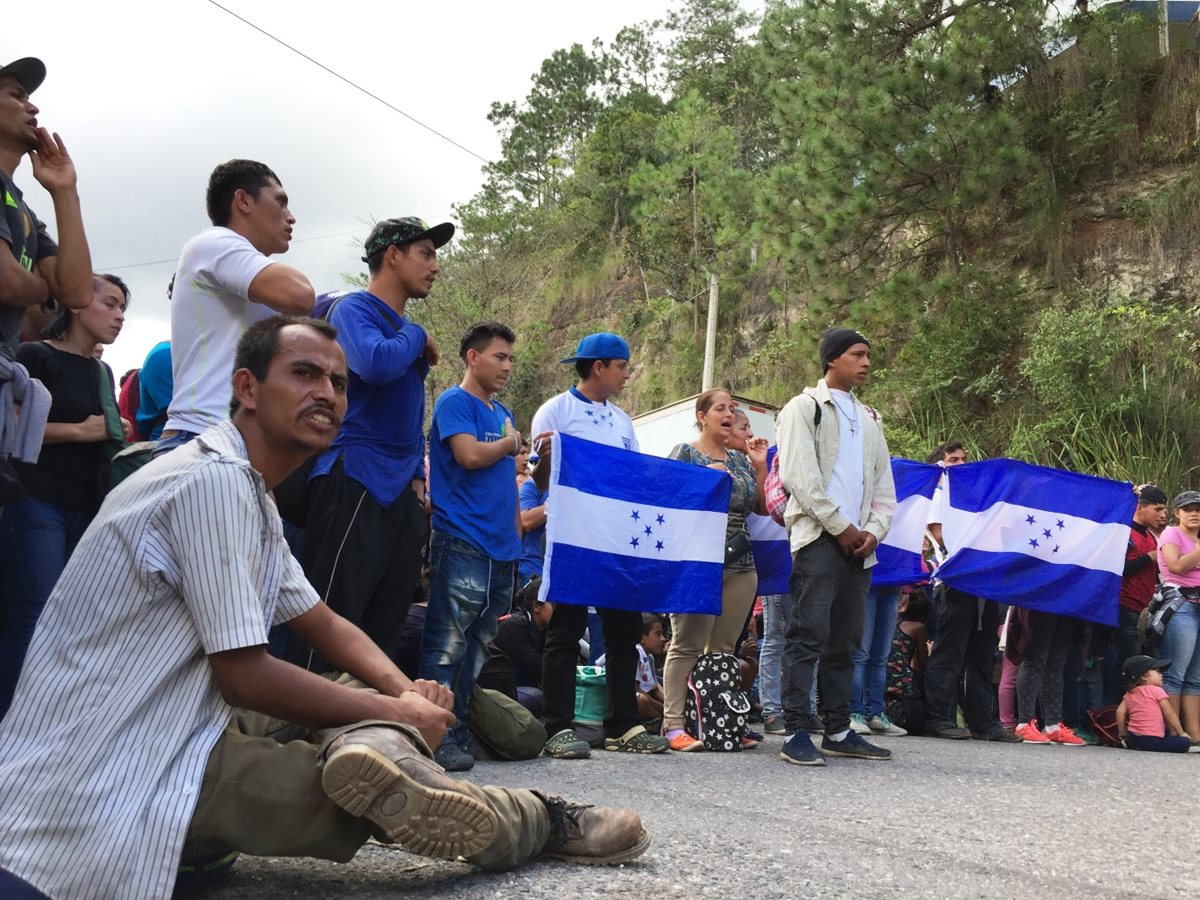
x: 175, y: 259
x: 679, y: 267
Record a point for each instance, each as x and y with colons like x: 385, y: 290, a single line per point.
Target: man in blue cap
x: 602, y: 363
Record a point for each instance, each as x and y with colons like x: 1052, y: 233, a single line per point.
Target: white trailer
x: 659, y: 430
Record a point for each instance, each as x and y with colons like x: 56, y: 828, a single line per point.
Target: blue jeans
x: 468, y: 593
x: 1182, y: 646
x: 770, y: 654
x: 870, y: 659
x: 36, y: 540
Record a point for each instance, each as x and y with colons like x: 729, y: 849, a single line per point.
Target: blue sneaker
x: 799, y: 749
x: 853, y: 746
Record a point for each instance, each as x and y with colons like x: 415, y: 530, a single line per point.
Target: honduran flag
x: 772, y: 554
x: 1037, y: 537
x: 899, y: 553
x: 625, y: 530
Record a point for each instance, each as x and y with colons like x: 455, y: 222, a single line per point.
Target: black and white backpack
x: 717, y: 710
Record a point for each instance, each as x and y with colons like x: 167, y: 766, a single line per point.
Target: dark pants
x: 1128, y: 642
x: 966, y: 645
x: 622, y: 634
x: 828, y: 596
x: 1171, y: 743
x: 363, y: 559
x: 36, y: 540
x: 1040, y: 677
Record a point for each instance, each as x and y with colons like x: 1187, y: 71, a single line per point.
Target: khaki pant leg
x: 522, y: 829
x: 690, y: 634
x: 261, y: 794
x: 263, y: 797
x: 737, y: 598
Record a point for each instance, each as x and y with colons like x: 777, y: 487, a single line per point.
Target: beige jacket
x: 807, y: 453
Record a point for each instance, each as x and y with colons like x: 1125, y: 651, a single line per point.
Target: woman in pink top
x: 1179, y: 564
x: 1145, y: 714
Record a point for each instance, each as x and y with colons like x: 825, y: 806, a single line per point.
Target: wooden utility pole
x: 710, y: 337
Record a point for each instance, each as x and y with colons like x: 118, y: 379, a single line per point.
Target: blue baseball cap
x: 601, y: 345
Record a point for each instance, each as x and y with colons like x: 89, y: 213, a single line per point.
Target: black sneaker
x: 853, y: 746
x: 453, y: 758
x: 999, y: 735
x: 948, y: 731
x: 799, y: 750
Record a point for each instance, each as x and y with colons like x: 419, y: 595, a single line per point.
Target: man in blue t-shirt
x: 533, y: 523
x: 476, y: 532
x: 366, y: 526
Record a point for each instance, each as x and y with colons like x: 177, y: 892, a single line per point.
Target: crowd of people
x: 301, y: 585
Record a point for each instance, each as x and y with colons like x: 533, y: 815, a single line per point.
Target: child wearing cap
x: 1146, y: 714
x: 1179, y: 565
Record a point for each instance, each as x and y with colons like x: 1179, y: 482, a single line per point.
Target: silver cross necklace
x: 853, y: 421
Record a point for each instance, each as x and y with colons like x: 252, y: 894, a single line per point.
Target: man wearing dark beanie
x: 1140, y: 577
x: 833, y: 460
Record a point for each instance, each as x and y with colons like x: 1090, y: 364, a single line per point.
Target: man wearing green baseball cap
x: 367, y: 524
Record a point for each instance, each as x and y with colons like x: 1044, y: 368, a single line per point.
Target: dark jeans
x: 363, y: 559
x: 36, y: 540
x: 1040, y: 677
x: 1128, y: 642
x: 1171, y: 743
x: 622, y: 634
x: 828, y: 596
x: 966, y: 645
x: 468, y: 593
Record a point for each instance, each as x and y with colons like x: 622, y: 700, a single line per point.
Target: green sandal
x: 637, y: 740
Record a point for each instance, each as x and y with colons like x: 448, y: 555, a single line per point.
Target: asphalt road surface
x: 941, y: 819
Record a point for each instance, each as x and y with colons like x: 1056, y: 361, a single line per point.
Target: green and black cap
x: 398, y: 232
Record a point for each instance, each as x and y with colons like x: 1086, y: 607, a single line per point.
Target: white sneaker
x: 858, y: 724
x: 881, y: 724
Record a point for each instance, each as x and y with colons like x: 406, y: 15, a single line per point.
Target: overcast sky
x: 149, y: 96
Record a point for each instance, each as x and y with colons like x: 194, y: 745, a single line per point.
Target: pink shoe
x: 1029, y: 733
x: 1064, y: 735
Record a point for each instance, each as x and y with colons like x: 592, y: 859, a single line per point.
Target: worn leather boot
x: 376, y: 772
x: 593, y: 835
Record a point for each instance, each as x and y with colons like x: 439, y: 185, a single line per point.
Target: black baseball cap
x: 392, y: 232
x: 1137, y: 666
x: 29, y: 72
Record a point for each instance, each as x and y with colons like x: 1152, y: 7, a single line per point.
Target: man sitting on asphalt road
x: 149, y: 700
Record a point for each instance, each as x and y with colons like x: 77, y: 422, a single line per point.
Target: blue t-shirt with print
x: 478, y: 506
x: 531, y: 543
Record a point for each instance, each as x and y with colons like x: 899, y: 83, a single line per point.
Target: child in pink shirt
x: 1145, y: 714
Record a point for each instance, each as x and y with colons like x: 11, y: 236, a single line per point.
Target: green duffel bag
x: 591, y: 694
x: 504, y: 726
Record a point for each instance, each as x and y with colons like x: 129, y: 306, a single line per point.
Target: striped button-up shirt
x: 117, y: 708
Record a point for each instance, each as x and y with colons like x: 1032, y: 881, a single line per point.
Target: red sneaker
x: 1064, y: 735
x: 1029, y: 733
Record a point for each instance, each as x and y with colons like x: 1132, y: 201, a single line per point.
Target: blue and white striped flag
x: 772, y: 554
x: 625, y: 530
x: 899, y: 554
x: 1035, y: 537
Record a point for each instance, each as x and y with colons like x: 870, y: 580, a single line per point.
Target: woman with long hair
x: 66, y: 485
x: 692, y: 633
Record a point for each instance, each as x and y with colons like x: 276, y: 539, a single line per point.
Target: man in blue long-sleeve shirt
x: 366, y: 523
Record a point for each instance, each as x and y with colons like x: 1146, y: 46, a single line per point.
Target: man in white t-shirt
x: 602, y: 363
x: 833, y: 460
x: 224, y: 283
